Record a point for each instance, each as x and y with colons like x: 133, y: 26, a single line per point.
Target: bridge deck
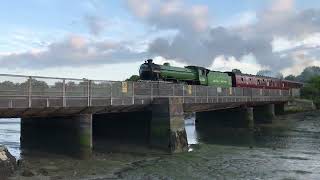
x: 36, y: 96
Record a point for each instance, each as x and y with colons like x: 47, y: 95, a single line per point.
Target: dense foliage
x: 236, y: 71
x: 311, y: 90
x: 133, y: 78
x: 306, y: 74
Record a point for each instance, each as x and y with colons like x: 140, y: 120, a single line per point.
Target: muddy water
x: 287, y: 149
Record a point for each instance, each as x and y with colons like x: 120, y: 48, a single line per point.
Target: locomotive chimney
x: 149, y: 61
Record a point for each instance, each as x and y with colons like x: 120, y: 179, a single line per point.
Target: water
x: 191, y: 130
x: 287, y: 149
x: 10, y: 135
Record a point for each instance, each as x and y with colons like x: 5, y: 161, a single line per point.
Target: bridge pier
x: 264, y: 113
x: 83, y: 128
x: 279, y: 108
x: 167, y: 129
x: 72, y: 134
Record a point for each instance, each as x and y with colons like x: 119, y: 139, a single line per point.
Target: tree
x: 308, y: 73
x: 236, y: 71
x: 291, y: 78
x: 312, y: 90
x: 133, y: 78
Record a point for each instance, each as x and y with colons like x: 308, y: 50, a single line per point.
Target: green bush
x: 312, y: 90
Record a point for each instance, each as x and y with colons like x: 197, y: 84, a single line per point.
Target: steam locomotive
x: 195, y: 75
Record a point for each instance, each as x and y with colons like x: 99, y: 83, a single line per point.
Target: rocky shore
x: 7, y: 163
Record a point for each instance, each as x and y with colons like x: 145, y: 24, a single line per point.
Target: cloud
x: 74, y: 51
x: 301, y: 61
x: 219, y: 41
x: 171, y: 14
x: 95, y: 24
x: 140, y: 8
x: 256, y: 38
x: 271, y: 36
x: 222, y: 63
x: 283, y: 5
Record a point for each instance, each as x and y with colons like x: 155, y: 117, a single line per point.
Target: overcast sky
x: 101, y: 39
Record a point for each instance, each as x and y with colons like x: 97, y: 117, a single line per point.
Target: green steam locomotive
x: 195, y: 75
x: 190, y: 74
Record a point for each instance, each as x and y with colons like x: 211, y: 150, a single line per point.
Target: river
x: 287, y: 149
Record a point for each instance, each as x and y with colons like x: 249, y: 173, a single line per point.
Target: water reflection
x: 190, y: 126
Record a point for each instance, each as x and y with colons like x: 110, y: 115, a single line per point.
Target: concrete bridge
x: 72, y: 110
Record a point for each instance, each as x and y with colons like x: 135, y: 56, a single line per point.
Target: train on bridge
x: 196, y: 75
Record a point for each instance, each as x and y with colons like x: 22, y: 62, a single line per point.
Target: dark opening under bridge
x: 74, y: 104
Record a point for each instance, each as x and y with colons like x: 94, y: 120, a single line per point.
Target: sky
x: 99, y: 39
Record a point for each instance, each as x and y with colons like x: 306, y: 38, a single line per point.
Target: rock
x: 7, y: 163
x: 43, y: 172
x: 27, y: 173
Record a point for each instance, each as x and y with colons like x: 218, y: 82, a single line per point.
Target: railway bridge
x: 74, y: 111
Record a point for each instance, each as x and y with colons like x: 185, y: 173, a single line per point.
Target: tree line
x: 311, y: 89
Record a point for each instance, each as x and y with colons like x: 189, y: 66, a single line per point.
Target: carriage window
x: 282, y: 84
x: 258, y: 81
x: 241, y: 79
x: 249, y: 79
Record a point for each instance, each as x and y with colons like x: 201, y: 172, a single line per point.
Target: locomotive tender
x: 201, y: 76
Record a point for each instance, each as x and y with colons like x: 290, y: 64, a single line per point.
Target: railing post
x: 48, y: 104
x: 111, y: 93
x: 29, y: 92
x: 195, y: 94
x: 217, y: 95
x: 89, y: 92
x: 151, y: 89
x: 132, y: 92
x: 64, y: 102
x: 173, y: 90
x: 183, y: 94
x: 10, y: 104
x: 207, y: 94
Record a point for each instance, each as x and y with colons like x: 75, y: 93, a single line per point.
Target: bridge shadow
x: 122, y: 132
x: 213, y: 131
x: 42, y: 135
x: 221, y: 130
x: 111, y: 132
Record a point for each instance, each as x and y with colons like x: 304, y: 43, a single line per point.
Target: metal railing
x: 18, y: 91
